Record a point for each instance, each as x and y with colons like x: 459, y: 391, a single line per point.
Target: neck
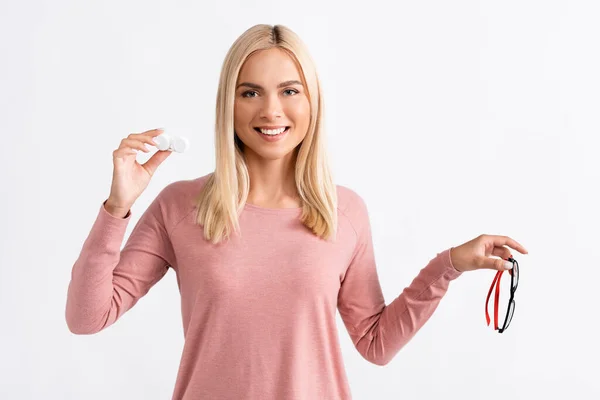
x: 272, y: 182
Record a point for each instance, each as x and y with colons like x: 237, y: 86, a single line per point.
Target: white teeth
x: 272, y: 131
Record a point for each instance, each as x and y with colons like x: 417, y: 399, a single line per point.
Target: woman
x: 266, y: 248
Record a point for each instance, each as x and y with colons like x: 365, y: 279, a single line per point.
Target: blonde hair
x: 225, y: 191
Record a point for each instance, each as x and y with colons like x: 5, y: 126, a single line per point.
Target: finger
x: 153, y: 162
x: 506, y: 241
x: 153, y: 132
x: 502, y: 252
x: 494, y: 263
x: 145, y: 139
x: 134, y: 144
x: 124, y: 152
x: 148, y: 139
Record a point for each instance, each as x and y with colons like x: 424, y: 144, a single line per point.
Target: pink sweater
x: 259, y: 311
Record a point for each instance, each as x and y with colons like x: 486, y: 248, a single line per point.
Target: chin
x: 274, y: 154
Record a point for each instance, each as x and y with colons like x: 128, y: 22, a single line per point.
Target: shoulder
x: 352, y: 206
x: 183, y: 190
x: 348, y: 199
x: 178, y: 199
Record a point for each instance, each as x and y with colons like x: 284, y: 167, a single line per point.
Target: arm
x: 379, y: 331
x: 106, y: 281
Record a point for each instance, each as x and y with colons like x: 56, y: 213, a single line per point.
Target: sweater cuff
x: 107, y: 230
x: 106, y: 212
x: 450, y: 271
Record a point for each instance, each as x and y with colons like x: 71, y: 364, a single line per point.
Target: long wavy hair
x: 225, y: 191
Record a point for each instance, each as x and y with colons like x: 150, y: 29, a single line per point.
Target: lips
x: 273, y: 136
x: 270, y: 129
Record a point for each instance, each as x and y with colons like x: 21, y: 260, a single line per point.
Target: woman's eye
x: 253, y: 93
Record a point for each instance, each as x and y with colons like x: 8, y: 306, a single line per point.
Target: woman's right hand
x: 131, y: 178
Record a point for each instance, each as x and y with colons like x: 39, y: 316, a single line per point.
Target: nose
x: 271, y: 108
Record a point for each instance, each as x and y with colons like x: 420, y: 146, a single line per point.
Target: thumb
x: 157, y: 158
x: 495, y: 263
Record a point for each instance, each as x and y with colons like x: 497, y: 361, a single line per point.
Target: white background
x: 451, y: 119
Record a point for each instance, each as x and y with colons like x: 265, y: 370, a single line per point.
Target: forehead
x: 270, y: 66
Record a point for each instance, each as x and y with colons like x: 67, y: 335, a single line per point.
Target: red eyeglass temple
x: 496, y: 282
x: 496, y: 300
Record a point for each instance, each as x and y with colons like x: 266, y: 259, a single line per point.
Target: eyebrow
x: 282, y: 84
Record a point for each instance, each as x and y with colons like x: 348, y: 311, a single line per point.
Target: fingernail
x: 508, y: 265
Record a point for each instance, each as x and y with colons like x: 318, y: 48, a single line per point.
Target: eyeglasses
x: 514, y: 282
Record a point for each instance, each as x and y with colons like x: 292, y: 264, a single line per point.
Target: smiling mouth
x: 272, y: 132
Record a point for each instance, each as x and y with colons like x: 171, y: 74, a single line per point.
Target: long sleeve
x: 379, y: 331
x: 107, y: 281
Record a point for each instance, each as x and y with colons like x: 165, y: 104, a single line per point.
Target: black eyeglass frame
x: 514, y: 283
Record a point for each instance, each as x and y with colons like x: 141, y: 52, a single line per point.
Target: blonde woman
x: 266, y: 248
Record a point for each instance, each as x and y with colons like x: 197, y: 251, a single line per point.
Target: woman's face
x: 269, y: 98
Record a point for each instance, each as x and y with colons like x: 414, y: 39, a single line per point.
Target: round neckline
x: 253, y: 207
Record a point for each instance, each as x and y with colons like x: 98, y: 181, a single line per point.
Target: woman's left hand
x: 476, y: 253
